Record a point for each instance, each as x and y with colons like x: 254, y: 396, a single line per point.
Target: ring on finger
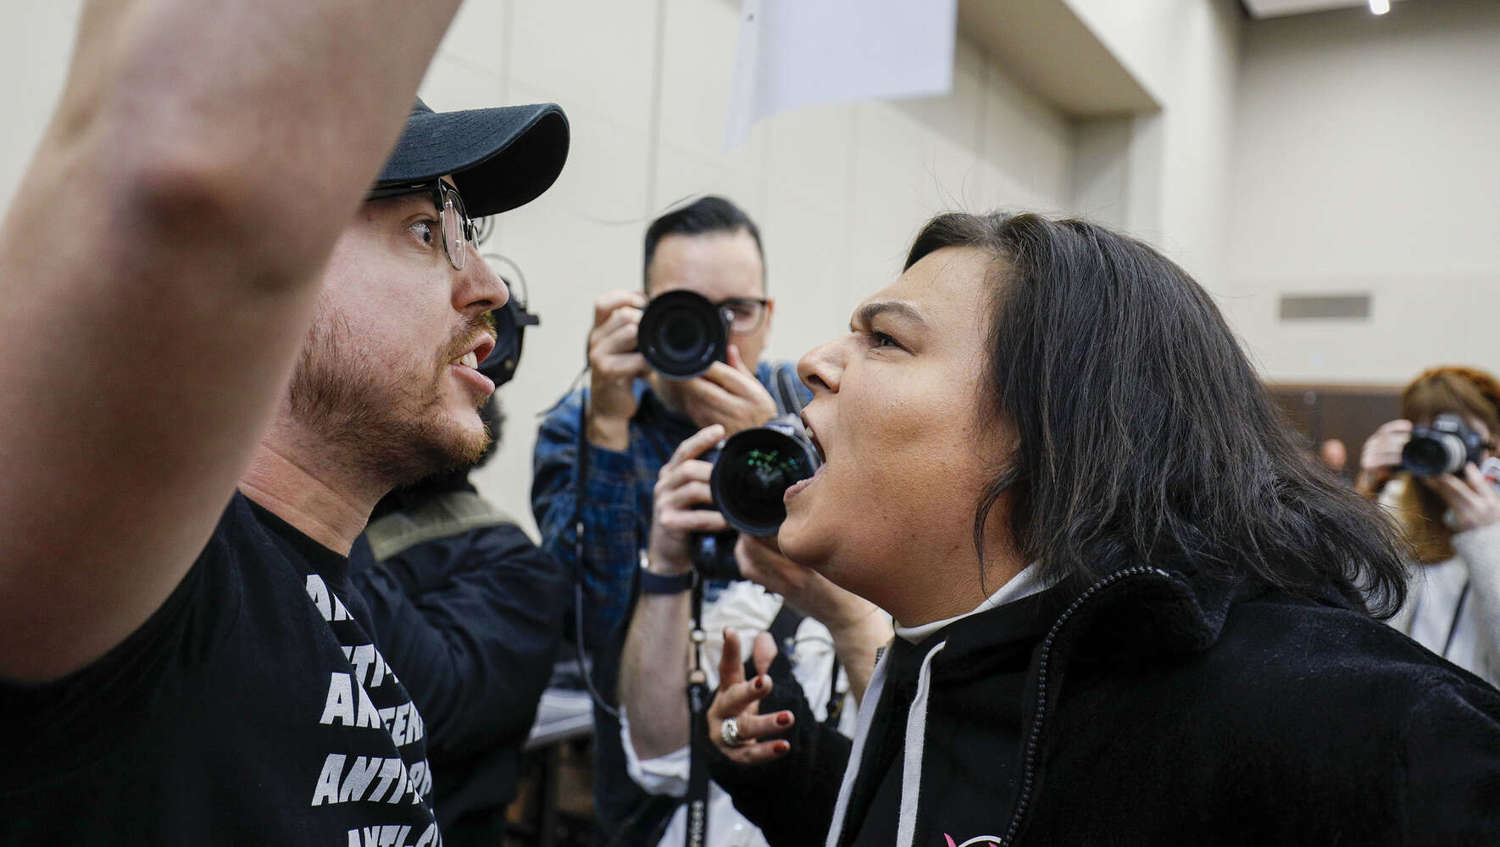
x: 729, y: 730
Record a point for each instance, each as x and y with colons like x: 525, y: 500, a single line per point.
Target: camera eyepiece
x: 682, y: 333
x: 754, y: 469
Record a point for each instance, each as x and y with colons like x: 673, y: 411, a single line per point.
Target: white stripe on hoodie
x: 1022, y: 585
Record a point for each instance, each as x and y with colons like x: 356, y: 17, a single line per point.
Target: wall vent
x: 1325, y: 307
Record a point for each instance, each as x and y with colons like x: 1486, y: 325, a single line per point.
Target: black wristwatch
x: 655, y: 583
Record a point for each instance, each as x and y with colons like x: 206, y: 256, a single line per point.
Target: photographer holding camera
x: 1425, y: 469
x: 681, y: 355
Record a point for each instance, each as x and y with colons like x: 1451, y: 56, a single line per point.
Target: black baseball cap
x: 500, y: 158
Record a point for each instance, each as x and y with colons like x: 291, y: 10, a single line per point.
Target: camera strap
x: 783, y: 630
x: 696, y: 831
x: 785, y: 385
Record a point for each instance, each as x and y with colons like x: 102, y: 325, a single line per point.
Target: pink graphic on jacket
x: 978, y: 839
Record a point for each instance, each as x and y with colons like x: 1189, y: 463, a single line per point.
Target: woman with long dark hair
x: 1129, y: 610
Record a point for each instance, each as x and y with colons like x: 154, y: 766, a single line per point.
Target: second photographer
x: 1429, y: 470
x: 658, y: 375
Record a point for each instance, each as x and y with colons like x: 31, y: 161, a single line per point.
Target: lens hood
x: 755, y: 468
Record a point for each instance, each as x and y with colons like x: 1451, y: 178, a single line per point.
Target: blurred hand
x: 760, y: 560
x: 681, y: 486
x: 1381, y: 456
x: 739, y: 699
x: 613, y: 366
x: 728, y: 395
x: 1473, y: 499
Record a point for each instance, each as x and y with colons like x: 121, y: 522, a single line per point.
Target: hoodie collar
x: 1138, y: 610
x: 1018, y: 587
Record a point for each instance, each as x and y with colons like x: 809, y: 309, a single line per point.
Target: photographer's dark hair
x: 701, y: 217
x: 1145, y: 435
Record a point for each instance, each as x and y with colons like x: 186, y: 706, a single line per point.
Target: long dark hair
x: 1144, y: 432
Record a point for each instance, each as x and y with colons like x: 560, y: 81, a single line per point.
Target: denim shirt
x: 618, y: 489
x: 618, y: 498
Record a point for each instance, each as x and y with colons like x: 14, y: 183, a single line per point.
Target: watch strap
x: 655, y: 583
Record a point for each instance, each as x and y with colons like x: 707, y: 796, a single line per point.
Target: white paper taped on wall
x: 802, y: 52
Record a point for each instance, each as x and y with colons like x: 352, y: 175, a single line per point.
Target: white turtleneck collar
x: 1023, y: 584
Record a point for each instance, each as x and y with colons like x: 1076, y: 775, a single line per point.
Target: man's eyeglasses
x: 745, y: 314
x: 453, y: 219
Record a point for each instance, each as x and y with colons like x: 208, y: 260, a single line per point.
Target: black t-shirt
x: 474, y: 621
x: 251, y: 708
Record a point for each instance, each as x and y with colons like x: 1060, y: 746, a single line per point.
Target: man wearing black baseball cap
x: 223, y: 343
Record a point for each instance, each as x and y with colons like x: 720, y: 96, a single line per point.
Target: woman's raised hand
x: 738, y: 702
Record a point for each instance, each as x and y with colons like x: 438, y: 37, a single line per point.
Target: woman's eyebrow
x: 866, y: 314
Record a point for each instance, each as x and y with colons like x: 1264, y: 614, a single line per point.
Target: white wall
x: 839, y: 191
x: 1368, y: 159
x: 1321, y: 153
x: 34, y: 50
x: 1186, y: 54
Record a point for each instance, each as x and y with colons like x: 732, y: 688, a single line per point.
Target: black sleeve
x: 472, y: 624
x: 1452, y: 767
x: 792, y: 798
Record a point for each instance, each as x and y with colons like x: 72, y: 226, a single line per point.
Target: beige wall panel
x: 1365, y: 161
x: 699, y: 39
x: 1027, y: 147
x: 478, y: 37
x: 34, y: 49
x: 584, y: 53
x: 808, y: 259
x: 452, y: 83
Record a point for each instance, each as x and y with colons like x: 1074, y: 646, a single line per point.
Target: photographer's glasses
x: 744, y: 314
x: 453, y: 219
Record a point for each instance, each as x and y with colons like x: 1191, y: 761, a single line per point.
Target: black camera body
x: 511, y: 321
x: 713, y: 555
x: 752, y: 471
x: 1443, y: 447
x: 682, y: 334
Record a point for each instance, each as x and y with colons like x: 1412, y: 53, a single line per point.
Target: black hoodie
x: 1156, y: 707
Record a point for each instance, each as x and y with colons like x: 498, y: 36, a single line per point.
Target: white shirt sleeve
x: 748, y: 609
x: 1480, y: 550
x: 667, y: 774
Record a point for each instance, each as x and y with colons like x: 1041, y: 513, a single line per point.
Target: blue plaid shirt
x: 617, y: 526
x: 617, y: 510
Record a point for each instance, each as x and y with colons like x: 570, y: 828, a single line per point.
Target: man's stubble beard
x: 389, y: 425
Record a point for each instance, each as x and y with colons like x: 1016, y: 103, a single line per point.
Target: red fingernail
x: 782, y: 747
x: 760, y: 682
x: 784, y: 719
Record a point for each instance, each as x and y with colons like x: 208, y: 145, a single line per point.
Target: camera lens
x: 682, y: 338
x: 682, y: 334
x: 1433, y: 454
x: 753, y: 472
